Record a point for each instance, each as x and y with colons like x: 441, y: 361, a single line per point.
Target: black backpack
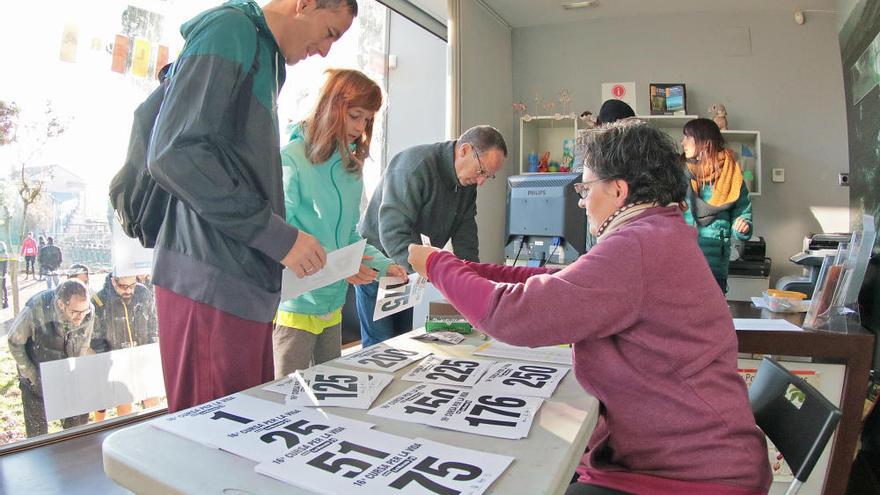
x: 139, y: 202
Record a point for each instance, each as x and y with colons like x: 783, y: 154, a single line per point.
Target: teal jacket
x: 323, y: 200
x: 714, y: 239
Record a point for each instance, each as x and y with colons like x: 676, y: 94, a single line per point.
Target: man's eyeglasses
x: 124, y: 286
x: 481, y: 171
x: 77, y: 312
x: 583, y: 188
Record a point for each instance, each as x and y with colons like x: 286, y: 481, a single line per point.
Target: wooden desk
x: 145, y: 459
x: 853, y: 349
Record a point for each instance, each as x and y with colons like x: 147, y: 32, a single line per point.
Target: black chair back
x: 798, y: 419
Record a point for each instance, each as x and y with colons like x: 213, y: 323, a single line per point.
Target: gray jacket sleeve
x: 22, y: 330
x: 191, y: 158
x: 465, y: 243
x: 402, y: 199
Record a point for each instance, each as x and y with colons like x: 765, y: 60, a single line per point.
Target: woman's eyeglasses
x: 583, y: 188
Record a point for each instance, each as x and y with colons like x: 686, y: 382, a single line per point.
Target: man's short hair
x: 484, y: 138
x: 77, y: 269
x: 69, y: 288
x: 333, y: 4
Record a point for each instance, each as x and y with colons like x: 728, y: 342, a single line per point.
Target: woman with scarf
x: 718, y: 200
x: 675, y: 415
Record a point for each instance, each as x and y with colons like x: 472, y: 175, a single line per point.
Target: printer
x: 816, y: 248
x: 749, y: 258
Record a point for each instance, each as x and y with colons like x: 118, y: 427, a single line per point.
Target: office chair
x: 798, y: 419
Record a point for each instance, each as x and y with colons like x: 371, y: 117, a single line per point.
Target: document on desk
x: 528, y: 379
x: 382, y: 357
x: 342, y: 263
x: 449, y: 371
x: 271, y: 437
x: 765, y: 324
x: 350, y: 461
x: 550, y: 354
x: 459, y: 409
x: 208, y: 422
x: 329, y: 386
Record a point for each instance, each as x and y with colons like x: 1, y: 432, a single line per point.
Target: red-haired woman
x: 718, y: 199
x: 323, y: 185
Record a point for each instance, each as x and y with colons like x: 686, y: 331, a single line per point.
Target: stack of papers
x: 521, y: 379
x: 271, y: 437
x: 382, y: 357
x: 351, y: 461
x: 449, y: 371
x: 550, y: 354
x: 459, y: 409
x: 329, y: 386
x: 207, y: 423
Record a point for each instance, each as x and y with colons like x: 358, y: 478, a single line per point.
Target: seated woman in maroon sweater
x: 652, y: 337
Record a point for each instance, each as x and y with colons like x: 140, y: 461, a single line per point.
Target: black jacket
x: 119, y: 324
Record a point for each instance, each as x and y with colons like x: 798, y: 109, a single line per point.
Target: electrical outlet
x: 778, y: 175
x: 843, y: 179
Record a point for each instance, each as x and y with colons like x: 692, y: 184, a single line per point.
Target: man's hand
x: 306, y: 257
x: 418, y: 258
x: 364, y: 276
x: 740, y: 225
x: 397, y: 271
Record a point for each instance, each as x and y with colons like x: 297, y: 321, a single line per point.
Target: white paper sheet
x: 271, y: 437
x: 528, y: 379
x: 208, y: 422
x: 329, y: 386
x: 765, y: 324
x: 394, y: 297
x: 88, y: 383
x: 449, y: 371
x: 550, y: 354
x: 349, y: 461
x: 382, y: 357
x: 342, y: 263
x: 464, y: 410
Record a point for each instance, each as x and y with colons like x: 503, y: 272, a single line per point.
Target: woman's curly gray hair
x: 640, y: 154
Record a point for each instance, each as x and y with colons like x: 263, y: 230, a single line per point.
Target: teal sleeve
x: 742, y: 209
x: 380, y: 262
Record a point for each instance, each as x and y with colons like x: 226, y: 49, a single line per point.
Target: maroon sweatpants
x: 207, y: 353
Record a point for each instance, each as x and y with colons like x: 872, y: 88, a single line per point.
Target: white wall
x: 417, y: 107
x: 486, y: 96
x: 784, y: 80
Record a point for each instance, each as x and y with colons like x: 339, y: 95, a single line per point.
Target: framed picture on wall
x: 668, y: 99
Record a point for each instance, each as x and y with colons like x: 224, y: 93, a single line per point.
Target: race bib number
x: 529, y: 379
x: 382, y: 357
x: 343, y: 461
x: 449, y: 371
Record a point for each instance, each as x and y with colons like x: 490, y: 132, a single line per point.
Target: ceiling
x: 521, y: 13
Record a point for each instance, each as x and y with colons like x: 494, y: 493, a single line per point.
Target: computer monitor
x: 543, y: 216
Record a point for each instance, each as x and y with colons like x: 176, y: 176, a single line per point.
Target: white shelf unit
x: 742, y: 143
x: 544, y: 133
x: 745, y: 143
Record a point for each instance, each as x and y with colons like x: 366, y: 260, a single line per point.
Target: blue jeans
x: 373, y: 332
